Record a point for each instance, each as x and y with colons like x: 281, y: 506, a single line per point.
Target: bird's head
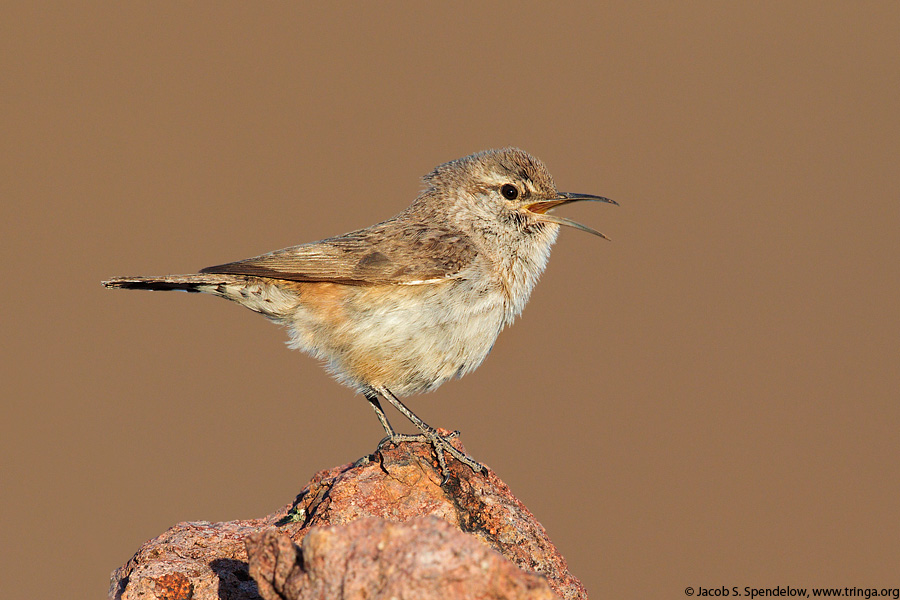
x: 505, y: 192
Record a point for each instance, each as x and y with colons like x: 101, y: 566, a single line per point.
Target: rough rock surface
x: 380, y: 527
x: 425, y: 558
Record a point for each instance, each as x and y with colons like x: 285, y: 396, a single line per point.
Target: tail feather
x: 258, y: 294
x: 186, y: 283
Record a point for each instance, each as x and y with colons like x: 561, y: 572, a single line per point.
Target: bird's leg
x: 372, y: 397
x: 392, y: 436
x: 429, y: 434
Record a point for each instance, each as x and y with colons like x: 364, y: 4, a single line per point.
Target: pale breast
x: 409, y: 338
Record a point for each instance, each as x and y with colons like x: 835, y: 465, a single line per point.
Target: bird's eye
x: 509, y: 191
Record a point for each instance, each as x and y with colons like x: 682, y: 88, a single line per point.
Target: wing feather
x: 387, y: 253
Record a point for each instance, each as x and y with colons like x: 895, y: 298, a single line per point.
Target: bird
x: 403, y: 306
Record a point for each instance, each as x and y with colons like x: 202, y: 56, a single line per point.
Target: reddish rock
x: 346, y: 508
x: 424, y: 558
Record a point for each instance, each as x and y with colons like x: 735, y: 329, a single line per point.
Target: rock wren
x: 400, y: 307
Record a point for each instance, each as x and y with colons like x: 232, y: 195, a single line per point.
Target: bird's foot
x: 396, y: 438
x: 440, y: 444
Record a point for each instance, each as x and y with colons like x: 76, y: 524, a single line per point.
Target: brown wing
x: 387, y: 253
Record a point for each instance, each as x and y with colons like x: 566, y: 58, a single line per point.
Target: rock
x: 424, y: 558
x: 380, y: 527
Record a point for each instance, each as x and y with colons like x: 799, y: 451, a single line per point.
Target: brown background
x: 711, y: 399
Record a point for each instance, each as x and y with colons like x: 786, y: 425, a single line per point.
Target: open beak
x: 540, y: 210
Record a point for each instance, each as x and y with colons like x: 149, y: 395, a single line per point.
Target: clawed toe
x: 439, y: 444
x: 403, y: 437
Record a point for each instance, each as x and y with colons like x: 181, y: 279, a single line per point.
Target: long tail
x: 259, y: 294
x: 187, y: 283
